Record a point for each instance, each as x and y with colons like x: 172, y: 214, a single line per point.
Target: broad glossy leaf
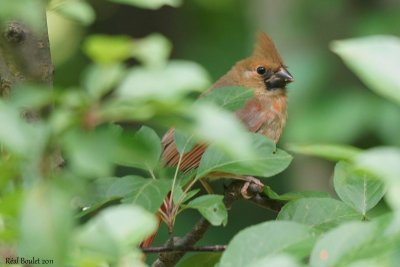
x: 380, y: 261
x: 147, y: 193
x: 257, y: 242
x: 384, y: 162
x: 152, y: 140
x: 321, y: 213
x: 184, y: 142
x: 358, y: 242
x: 212, y: 208
x: 332, y: 247
x: 281, y: 260
x: 168, y: 83
x: 230, y: 98
x: 328, y: 151
x: 221, y: 129
x: 140, y: 150
x: 178, y: 195
x: 150, y: 4
x: 357, y: 188
x: 267, y: 160
x: 116, y: 230
x: 362, y: 55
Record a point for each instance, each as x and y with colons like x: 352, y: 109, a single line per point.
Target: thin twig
x: 215, y: 248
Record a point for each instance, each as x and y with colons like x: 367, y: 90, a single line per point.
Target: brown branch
x: 177, y: 244
x: 215, y: 248
x: 176, y: 247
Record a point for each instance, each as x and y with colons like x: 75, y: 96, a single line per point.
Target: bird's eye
x: 261, y: 70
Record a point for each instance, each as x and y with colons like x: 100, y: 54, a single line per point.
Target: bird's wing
x: 253, y: 115
x: 170, y: 156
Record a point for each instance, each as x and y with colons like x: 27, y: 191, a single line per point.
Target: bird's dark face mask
x: 279, y: 79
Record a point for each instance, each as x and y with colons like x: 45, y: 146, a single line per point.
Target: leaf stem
x: 176, y: 175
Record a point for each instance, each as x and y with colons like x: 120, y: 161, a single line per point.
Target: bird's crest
x: 265, y: 49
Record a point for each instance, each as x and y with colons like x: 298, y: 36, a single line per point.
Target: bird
x: 265, y: 113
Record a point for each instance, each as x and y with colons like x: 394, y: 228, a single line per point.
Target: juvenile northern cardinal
x: 266, y: 113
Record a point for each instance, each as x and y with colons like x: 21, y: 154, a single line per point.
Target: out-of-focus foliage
x: 30, y: 12
x: 376, y: 60
x: 150, y: 4
x: 74, y: 225
x: 76, y: 10
x: 97, y: 208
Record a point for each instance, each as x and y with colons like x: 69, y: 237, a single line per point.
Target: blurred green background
x: 327, y: 102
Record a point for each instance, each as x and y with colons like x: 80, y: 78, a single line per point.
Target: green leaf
x: 292, y: 195
x: 100, y: 79
x: 357, y: 188
x: 363, y: 55
x: 116, y: 229
x: 28, y: 12
x: 152, y: 50
x: 230, y: 98
x: 77, y: 10
x: 356, y: 242
x: 321, y: 213
x: 184, y: 142
x: 178, y: 194
x: 200, y: 260
x: 171, y: 82
x: 381, y: 161
x: 31, y: 96
x: 228, y: 133
x: 327, y: 151
x: 212, y: 208
x: 334, y: 245
x: 105, y: 49
x: 257, y: 242
x: 147, y: 193
x: 90, y: 153
x: 17, y: 135
x: 10, y: 211
x: 281, y: 260
x: 150, y: 4
x: 45, y: 224
x: 384, y: 162
x: 267, y: 160
x: 152, y: 140
x: 141, y: 150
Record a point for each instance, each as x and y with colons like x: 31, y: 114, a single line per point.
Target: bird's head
x: 264, y: 70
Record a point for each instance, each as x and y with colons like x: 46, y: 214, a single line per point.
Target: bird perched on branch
x: 265, y: 113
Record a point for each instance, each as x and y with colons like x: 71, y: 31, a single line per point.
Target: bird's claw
x: 251, y: 187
